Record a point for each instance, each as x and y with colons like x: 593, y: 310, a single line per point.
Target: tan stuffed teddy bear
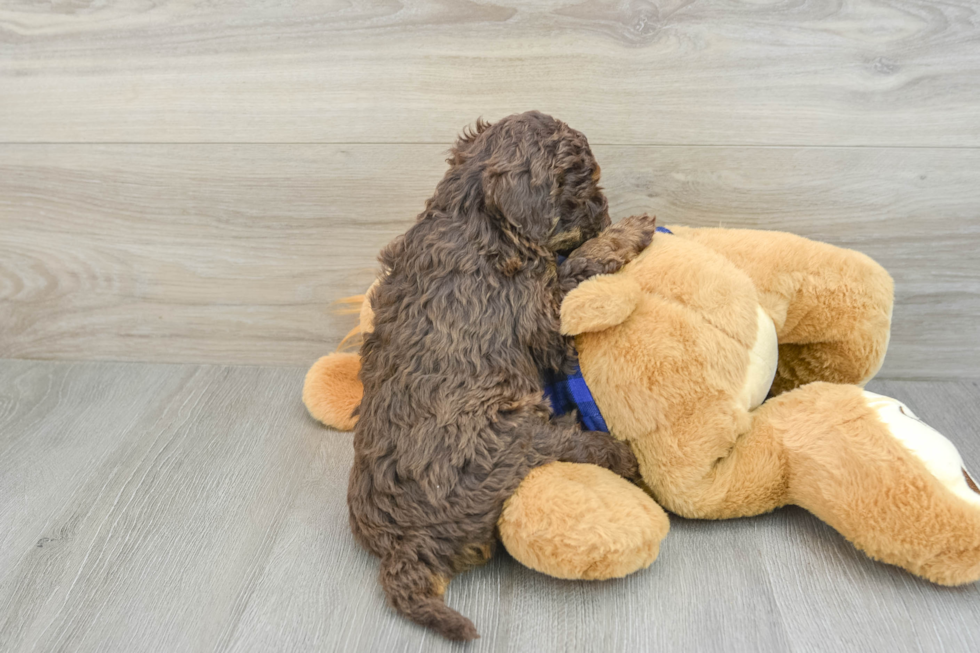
x: 680, y: 350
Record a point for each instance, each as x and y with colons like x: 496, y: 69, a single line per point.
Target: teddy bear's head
x: 676, y: 340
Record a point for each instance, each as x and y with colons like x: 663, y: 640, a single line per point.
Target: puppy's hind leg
x: 416, y: 590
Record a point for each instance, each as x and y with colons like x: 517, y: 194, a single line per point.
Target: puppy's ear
x: 523, y: 208
x: 518, y: 188
x: 571, y: 162
x: 576, y: 191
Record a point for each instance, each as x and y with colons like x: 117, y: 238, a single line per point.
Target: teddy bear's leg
x: 862, y: 463
x: 885, y: 480
x: 332, y: 390
x: 714, y: 463
x: 580, y: 521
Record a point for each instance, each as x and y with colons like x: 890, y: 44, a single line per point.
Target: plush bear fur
x: 733, y: 363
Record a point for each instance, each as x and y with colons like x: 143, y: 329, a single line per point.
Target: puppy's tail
x: 416, y: 591
x: 360, y: 305
x: 350, y: 306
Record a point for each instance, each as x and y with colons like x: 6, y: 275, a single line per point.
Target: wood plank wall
x: 196, y: 183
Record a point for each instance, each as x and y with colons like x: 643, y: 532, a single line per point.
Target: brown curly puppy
x: 465, y: 320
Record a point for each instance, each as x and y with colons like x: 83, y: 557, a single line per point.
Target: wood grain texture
x: 817, y: 72
x: 233, y: 253
x: 197, y: 508
x: 146, y: 501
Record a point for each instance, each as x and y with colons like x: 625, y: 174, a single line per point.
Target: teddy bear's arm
x: 831, y: 306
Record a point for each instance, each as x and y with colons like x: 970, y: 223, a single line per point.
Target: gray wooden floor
x: 154, y: 507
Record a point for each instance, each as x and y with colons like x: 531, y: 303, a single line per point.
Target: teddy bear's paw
x: 332, y: 390
x: 581, y: 521
x: 958, y: 564
x: 943, y: 544
x: 937, y: 453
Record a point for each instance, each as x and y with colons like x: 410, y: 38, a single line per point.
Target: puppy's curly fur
x: 465, y: 319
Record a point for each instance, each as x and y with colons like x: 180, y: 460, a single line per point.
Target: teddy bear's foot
x: 887, y: 481
x: 938, y: 454
x: 956, y: 502
x: 581, y: 521
x: 332, y: 390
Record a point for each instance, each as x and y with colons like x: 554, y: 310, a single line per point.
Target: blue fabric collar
x: 570, y: 392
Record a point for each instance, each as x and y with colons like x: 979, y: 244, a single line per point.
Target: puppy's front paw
x: 631, y: 235
x: 608, y: 252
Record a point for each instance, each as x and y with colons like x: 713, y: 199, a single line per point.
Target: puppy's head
x: 537, y: 179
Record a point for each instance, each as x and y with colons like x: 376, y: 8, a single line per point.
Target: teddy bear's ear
x: 599, y: 303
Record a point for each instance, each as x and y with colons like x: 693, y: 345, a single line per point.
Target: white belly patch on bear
x: 762, y: 362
